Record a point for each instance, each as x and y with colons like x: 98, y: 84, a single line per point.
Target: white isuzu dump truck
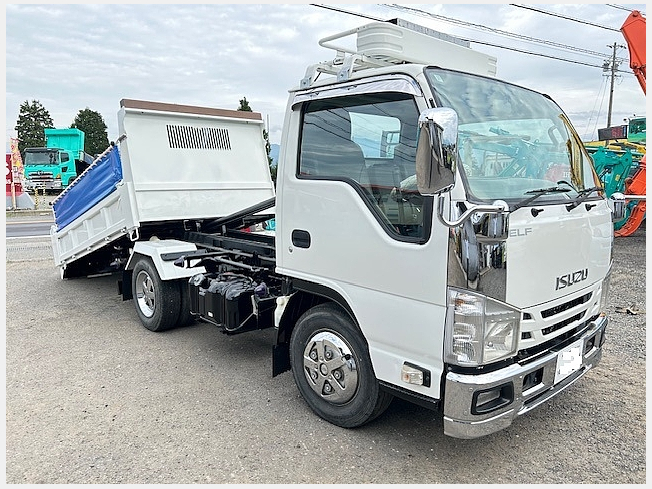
x: 440, y: 235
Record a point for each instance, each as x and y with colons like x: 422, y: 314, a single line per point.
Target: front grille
x: 566, y: 306
x: 564, y: 339
x: 41, y: 177
x: 561, y: 324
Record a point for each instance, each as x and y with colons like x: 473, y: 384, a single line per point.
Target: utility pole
x: 612, y: 66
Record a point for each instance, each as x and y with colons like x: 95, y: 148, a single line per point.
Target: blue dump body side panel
x: 98, y: 181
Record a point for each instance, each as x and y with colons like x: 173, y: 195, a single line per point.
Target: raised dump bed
x: 172, y: 166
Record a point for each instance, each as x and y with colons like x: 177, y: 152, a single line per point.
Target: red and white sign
x: 16, y: 197
x: 14, y: 168
x: 13, y: 177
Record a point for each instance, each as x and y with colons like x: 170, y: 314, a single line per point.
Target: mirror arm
x: 498, y: 207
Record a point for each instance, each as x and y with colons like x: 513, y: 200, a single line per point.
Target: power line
x: 529, y: 7
x: 616, y: 6
x: 328, y: 7
x: 532, y: 53
x: 497, y: 31
x: 620, y: 7
x: 588, y: 131
x: 613, y: 66
x: 509, y: 48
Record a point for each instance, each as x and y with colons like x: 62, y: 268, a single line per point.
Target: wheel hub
x: 330, y: 367
x: 145, y: 294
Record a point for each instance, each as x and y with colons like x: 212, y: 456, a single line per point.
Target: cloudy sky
x: 72, y: 57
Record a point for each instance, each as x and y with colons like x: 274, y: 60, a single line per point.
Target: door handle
x: 301, y: 238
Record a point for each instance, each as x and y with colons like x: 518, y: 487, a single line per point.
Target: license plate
x: 569, y: 360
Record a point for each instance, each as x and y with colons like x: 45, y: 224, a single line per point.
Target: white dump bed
x: 174, y: 162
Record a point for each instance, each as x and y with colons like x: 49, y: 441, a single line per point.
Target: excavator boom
x: 633, y: 29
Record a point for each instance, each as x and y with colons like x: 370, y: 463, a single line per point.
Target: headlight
x: 479, y: 330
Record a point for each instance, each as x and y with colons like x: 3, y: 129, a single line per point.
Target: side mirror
x: 436, y: 158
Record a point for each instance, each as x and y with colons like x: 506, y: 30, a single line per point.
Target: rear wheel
x: 332, y: 368
x: 158, y: 302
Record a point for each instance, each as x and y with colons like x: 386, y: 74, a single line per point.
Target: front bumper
x: 518, y: 388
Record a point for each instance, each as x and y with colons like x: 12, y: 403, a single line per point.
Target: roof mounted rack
x: 398, y: 41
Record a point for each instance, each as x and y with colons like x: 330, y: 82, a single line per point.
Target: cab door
x: 351, y: 224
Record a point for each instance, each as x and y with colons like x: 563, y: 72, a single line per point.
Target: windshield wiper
x: 566, y: 183
x: 538, y: 193
x: 582, y: 195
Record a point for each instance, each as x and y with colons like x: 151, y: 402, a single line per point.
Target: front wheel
x: 332, y: 368
x: 158, y: 302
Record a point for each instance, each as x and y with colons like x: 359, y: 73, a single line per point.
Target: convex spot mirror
x: 617, y: 203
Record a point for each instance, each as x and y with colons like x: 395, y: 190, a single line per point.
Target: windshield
x: 40, y: 158
x: 512, y: 141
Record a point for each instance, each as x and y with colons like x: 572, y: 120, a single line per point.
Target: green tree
x: 244, y: 107
x: 270, y: 160
x: 33, y: 119
x: 92, y: 124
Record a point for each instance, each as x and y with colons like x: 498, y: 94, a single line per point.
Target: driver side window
x: 369, y: 142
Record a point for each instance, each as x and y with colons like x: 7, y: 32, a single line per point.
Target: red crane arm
x: 633, y: 30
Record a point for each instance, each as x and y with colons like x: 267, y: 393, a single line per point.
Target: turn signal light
x: 412, y: 374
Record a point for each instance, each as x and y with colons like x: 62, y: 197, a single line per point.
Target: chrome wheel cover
x: 145, y: 294
x: 330, y: 367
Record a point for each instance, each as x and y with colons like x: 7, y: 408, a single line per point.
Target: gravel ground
x: 93, y: 397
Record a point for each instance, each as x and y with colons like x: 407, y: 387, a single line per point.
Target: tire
x: 158, y: 302
x: 342, y: 389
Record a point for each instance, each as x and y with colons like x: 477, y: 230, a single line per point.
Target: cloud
x: 215, y: 54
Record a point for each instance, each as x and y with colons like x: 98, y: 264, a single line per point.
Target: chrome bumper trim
x: 459, y: 422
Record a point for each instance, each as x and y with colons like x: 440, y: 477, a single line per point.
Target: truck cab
x: 48, y: 168
x: 471, y: 260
